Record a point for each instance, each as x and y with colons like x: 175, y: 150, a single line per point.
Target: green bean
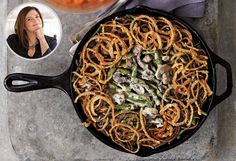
x: 130, y: 16
x: 153, y: 68
x: 74, y: 78
x: 123, y: 71
x: 141, y: 103
x: 156, y: 81
x: 180, y: 133
x: 148, y: 52
x: 134, y: 80
x: 194, y: 121
x: 110, y: 73
x: 134, y: 71
x: 112, y: 87
x: 123, y: 87
x: 144, y: 29
x: 153, y: 86
x: 158, y: 59
x: 125, y: 106
x: 203, y: 113
x: 134, y: 138
x: 135, y: 96
x: 150, y: 90
x: 98, y: 30
x: 153, y: 94
x: 159, y: 94
x: 123, y: 64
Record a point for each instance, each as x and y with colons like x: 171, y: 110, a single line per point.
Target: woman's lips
x: 36, y: 25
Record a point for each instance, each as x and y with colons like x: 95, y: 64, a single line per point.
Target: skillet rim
x: 144, y: 152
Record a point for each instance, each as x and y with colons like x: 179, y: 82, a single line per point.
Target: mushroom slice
x: 166, y: 78
x: 158, y: 122
x: 147, y: 58
x: 165, y: 58
x: 137, y: 50
x: 147, y: 74
x: 137, y: 88
x: 164, y: 73
x: 140, y: 62
x: 119, y: 98
x: 119, y: 78
x: 150, y: 112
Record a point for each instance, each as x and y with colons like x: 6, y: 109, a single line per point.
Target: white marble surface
x: 6, y: 150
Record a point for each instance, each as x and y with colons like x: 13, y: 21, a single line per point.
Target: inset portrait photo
x: 33, y: 31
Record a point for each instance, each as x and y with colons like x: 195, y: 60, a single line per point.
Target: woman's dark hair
x: 20, y: 24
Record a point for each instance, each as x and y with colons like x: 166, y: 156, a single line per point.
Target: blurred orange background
x: 80, y: 6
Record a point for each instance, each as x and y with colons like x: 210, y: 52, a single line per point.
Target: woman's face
x: 33, y: 21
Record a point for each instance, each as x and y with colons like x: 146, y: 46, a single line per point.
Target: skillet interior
x: 144, y: 151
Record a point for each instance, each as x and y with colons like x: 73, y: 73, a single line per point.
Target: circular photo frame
x: 33, y: 31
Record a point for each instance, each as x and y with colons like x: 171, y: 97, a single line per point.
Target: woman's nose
x: 35, y: 20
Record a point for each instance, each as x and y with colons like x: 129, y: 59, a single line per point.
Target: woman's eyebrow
x: 31, y: 16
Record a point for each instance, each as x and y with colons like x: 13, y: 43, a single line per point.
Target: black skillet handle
x: 218, y: 60
x: 35, y: 82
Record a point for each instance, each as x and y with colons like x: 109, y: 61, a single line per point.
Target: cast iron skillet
x: 63, y: 81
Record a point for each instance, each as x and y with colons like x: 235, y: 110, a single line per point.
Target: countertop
x: 42, y: 125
